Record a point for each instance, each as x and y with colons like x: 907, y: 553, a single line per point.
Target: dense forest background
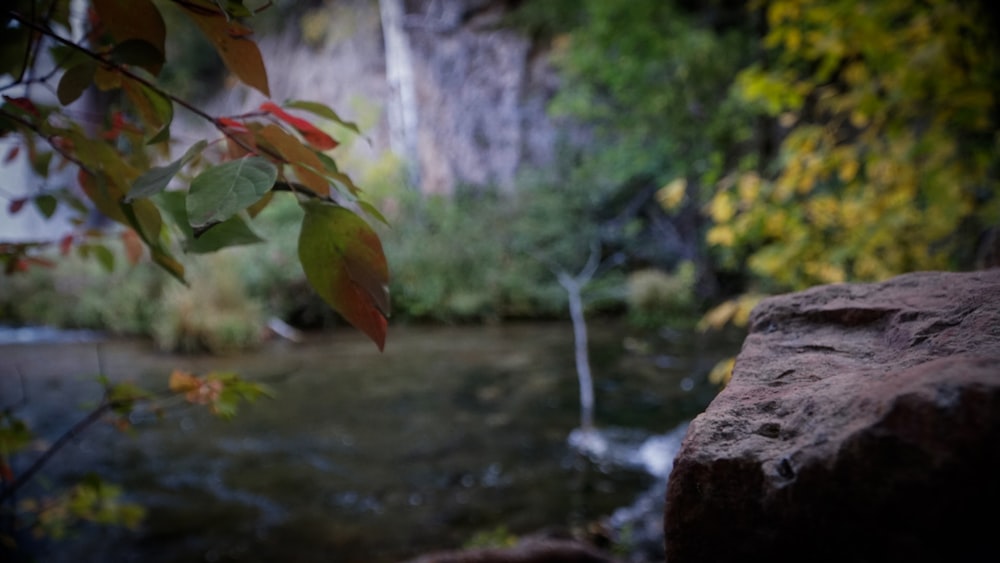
x: 694, y: 152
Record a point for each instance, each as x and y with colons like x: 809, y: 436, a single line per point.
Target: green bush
x: 656, y: 298
x: 81, y: 293
x: 215, y: 314
x: 452, y: 261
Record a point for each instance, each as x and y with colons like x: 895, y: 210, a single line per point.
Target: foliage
x: 231, y: 178
x: 93, y: 500
x: 656, y: 298
x: 890, y: 153
x: 491, y: 538
x: 652, y: 81
x: 453, y: 261
x: 214, y: 314
x: 84, y: 102
x: 75, y: 293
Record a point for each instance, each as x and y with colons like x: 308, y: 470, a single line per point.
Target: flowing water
x: 362, y: 456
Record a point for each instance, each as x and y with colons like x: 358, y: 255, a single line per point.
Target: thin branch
x: 225, y: 130
x: 49, y: 138
x: 137, y: 78
x: 69, y: 435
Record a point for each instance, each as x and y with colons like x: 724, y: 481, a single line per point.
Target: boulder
x: 862, y: 423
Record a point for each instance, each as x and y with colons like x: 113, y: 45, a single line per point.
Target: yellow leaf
x: 722, y: 208
x: 722, y: 373
x: 672, y: 195
x: 748, y: 187
x: 106, y: 78
x: 721, y: 235
x: 848, y: 170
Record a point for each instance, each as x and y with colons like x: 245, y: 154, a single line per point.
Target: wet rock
x: 862, y: 423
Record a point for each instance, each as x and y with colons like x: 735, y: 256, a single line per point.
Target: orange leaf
x: 133, y: 246
x: 240, y: 144
x: 305, y: 162
x: 240, y: 54
x: 309, y: 132
x: 183, y: 382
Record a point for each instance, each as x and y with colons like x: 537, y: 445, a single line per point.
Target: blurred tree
x: 887, y: 119
x: 651, y: 80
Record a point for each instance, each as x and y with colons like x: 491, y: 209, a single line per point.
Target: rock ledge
x: 862, y: 423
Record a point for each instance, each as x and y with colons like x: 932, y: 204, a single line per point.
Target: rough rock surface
x: 862, y: 423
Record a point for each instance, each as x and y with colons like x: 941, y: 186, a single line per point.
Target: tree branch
x: 73, y: 432
x: 49, y: 138
x: 137, y: 78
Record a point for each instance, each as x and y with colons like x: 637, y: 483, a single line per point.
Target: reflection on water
x: 363, y: 456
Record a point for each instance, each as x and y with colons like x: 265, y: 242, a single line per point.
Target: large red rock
x: 862, y: 423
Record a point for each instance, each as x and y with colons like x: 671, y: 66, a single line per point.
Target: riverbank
x: 453, y: 432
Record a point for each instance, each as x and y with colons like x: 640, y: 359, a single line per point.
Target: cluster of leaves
x: 889, y: 153
x: 93, y: 500
x: 230, y: 178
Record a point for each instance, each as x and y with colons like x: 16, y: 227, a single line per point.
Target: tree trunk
x: 573, y: 288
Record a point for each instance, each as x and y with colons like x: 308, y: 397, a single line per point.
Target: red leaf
x: 65, y: 244
x: 309, y: 132
x: 12, y: 154
x: 118, y: 124
x: 25, y: 104
x: 16, y: 205
x: 231, y: 124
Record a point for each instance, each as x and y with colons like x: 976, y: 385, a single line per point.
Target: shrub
x: 75, y: 294
x: 215, y: 314
x: 656, y: 298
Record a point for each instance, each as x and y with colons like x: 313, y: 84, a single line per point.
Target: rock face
x: 479, y: 88
x: 862, y: 423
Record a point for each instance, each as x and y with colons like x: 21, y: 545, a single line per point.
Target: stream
x: 362, y: 456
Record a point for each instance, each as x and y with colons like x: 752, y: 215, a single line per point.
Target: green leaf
x: 133, y: 19
x: 236, y: 9
x: 156, y: 179
x: 75, y: 81
x: 373, y: 211
x: 40, y: 164
x: 234, y: 231
x: 231, y: 232
x: 140, y: 53
x: 104, y: 256
x: 46, y: 205
x: 155, y: 109
x: 323, y: 111
x: 221, y: 191
x: 343, y: 261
